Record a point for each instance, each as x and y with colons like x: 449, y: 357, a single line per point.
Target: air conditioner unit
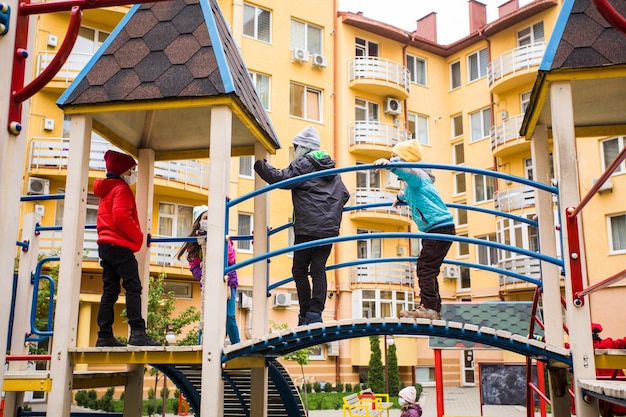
x: 299, y: 55
x: 245, y: 301
x: 606, y: 187
x: 38, y: 186
x: 393, y: 106
x: 320, y: 61
x: 451, y: 272
x: 333, y: 348
x: 282, y: 299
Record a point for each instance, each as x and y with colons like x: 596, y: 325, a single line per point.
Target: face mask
x: 401, y: 401
x: 395, y: 159
x: 300, y: 151
x: 203, y: 225
x: 130, y: 179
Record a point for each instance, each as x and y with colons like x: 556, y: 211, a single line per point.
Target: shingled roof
x: 586, y: 50
x: 167, y: 62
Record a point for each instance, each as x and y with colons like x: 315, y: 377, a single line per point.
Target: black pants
x: 119, y: 263
x: 429, y: 263
x: 310, y: 261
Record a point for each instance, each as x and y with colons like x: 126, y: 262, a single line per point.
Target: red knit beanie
x: 117, y: 163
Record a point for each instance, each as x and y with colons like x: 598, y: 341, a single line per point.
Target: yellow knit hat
x: 409, y: 151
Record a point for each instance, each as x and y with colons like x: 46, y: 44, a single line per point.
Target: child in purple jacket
x: 408, y: 406
x: 194, y: 257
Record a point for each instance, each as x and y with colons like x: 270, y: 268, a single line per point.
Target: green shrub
x: 151, y: 393
x: 81, y: 397
x: 328, y: 387
x: 307, y: 387
x: 418, y: 390
x: 348, y: 387
x: 317, y: 387
x: 339, y: 387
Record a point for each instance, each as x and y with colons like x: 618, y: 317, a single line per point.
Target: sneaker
x: 421, y: 312
x: 312, y: 317
x: 301, y: 320
x: 141, y: 339
x: 108, y: 341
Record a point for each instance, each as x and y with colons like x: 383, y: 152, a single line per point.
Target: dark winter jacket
x: 317, y: 202
x: 117, y: 222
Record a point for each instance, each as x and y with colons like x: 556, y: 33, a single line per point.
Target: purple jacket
x: 411, y: 410
x: 195, y: 266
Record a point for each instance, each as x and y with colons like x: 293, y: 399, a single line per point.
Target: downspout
x: 481, y: 34
x: 336, y: 153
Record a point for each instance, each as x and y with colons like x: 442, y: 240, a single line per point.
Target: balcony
x: 161, y: 254
x: 521, y: 264
x: 505, y: 138
x: 379, y: 76
x: 515, y: 68
x: 400, y: 216
x: 398, y: 273
x: 68, y: 72
x: 515, y: 198
x: 49, y: 156
x: 375, y: 139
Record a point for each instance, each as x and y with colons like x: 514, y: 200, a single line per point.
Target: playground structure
x: 229, y: 136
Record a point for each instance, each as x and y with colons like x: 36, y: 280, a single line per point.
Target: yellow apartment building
x: 365, y: 86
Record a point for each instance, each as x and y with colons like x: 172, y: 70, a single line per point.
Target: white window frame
x: 370, y: 110
x: 487, y: 255
x: 478, y: 63
x: 531, y: 35
x: 420, y: 127
x: 260, y: 81
x: 246, y: 167
x: 417, y: 69
x: 457, y: 217
x: 363, y: 47
x: 306, y: 43
x: 455, y: 71
x: 462, y: 248
x: 524, y: 100
x: 459, y: 177
x: 244, y: 246
x: 453, y: 126
x: 462, y: 288
x: 368, y: 299
x: 316, y: 353
x: 257, y: 11
x: 614, y: 246
x: 621, y: 142
x: 480, y: 131
x: 487, y: 186
x: 306, y: 91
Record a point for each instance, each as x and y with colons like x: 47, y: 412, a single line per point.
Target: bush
x: 151, y: 393
x: 307, y: 387
x: 348, y: 387
x: 81, y: 398
x: 328, y: 387
x: 339, y: 387
x: 418, y: 390
x: 317, y: 387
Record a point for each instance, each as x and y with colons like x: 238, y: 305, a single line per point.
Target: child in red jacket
x: 119, y: 236
x: 608, y: 409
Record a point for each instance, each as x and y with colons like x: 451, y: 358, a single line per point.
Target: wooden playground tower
x: 567, y: 102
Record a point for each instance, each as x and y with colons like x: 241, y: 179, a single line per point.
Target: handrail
x: 610, y: 14
x: 33, y: 311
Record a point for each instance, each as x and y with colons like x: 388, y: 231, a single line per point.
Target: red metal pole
x: 573, y: 245
x: 610, y: 14
x: 28, y: 357
x: 439, y: 382
x: 541, y: 382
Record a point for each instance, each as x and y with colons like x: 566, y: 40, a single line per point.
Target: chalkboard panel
x: 503, y: 384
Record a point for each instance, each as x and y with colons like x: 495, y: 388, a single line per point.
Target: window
x: 483, y: 188
x: 366, y: 48
x: 257, y: 23
x: 480, y: 123
x: 477, y: 65
x: 179, y: 289
x: 246, y: 164
x: 365, y: 111
x: 461, y: 216
x: 515, y: 233
x: 305, y: 36
x: 610, y: 149
x: 381, y: 303
x: 458, y: 155
x: 316, y: 353
x: 261, y: 84
x: 368, y: 248
x: 462, y: 248
x: 617, y: 233
x: 487, y: 255
x: 417, y: 69
x: 418, y: 126
x: 455, y: 75
x: 87, y: 43
x: 244, y: 228
x: 465, y: 283
x: 368, y: 180
x: 524, y: 99
x: 305, y: 102
x: 457, y: 126
x: 531, y: 35
x: 528, y: 167
x: 174, y: 220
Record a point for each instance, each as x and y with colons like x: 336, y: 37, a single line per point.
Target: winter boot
x: 108, y: 341
x: 141, y: 338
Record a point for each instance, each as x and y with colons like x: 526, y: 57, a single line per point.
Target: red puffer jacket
x: 118, y: 223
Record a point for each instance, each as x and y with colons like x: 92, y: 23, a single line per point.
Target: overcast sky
x: 452, y: 15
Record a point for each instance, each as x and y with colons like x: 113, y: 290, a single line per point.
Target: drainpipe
x: 481, y: 34
x: 336, y: 148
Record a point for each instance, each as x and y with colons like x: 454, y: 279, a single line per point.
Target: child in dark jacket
x: 194, y: 257
x: 119, y: 236
x: 408, y: 406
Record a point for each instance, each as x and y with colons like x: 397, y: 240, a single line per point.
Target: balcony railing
x: 53, y: 153
x: 519, y: 59
x: 161, y: 253
x: 514, y: 198
x: 506, y: 133
x: 68, y: 72
x: 380, y: 70
x: 400, y: 273
x: 362, y: 196
x: 377, y: 134
x: 522, y: 264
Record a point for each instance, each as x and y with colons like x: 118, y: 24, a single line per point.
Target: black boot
x: 141, y: 338
x: 108, y: 341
